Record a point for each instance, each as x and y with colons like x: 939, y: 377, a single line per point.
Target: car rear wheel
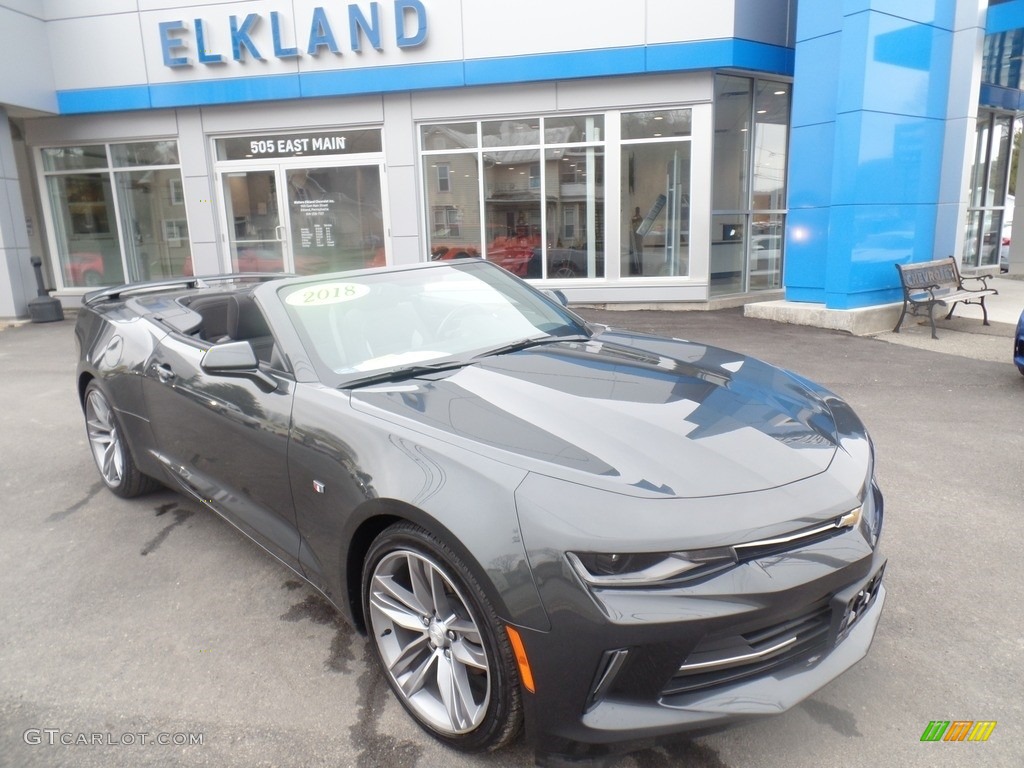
x: 109, y: 449
x: 443, y: 650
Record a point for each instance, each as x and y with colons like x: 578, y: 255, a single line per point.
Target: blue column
x: 870, y: 94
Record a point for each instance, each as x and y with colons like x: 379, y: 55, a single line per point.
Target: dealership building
x: 668, y: 152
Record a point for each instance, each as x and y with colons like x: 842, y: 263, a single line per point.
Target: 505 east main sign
x: 214, y: 43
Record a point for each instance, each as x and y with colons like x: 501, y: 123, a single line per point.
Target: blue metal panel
x: 103, y: 100
x: 382, y: 79
x: 866, y: 241
x: 817, y: 19
x: 886, y: 159
x: 553, y: 66
x: 737, y: 54
x: 938, y: 13
x: 816, y: 81
x: 906, y: 69
x: 232, y: 91
x: 807, y: 243
x: 810, y: 166
x: 715, y: 54
x: 1005, y: 17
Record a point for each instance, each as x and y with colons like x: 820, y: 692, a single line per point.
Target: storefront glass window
x: 574, y: 129
x: 771, y: 134
x: 536, y: 208
x: 751, y: 138
x: 986, y: 218
x: 113, y: 224
x: 455, y: 212
x: 83, y: 219
x: 657, y: 124
x: 733, y: 105
x: 655, y: 184
x: 75, y: 158
x: 768, y: 232
x: 512, y: 206
x: 144, y: 153
x: 154, y: 230
x: 450, y: 136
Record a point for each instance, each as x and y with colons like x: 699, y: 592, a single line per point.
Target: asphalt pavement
x: 152, y: 620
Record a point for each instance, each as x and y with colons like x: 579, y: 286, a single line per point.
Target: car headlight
x: 649, y: 569
x: 607, y: 569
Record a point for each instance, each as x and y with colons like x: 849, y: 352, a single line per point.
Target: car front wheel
x: 109, y: 449
x: 444, y: 652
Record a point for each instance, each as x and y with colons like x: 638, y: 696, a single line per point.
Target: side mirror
x: 236, y: 358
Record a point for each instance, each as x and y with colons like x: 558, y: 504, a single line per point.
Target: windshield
x: 354, y: 325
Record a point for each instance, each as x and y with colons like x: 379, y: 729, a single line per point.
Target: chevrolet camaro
x: 544, y: 526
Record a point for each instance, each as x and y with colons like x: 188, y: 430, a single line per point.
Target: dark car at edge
x: 547, y: 527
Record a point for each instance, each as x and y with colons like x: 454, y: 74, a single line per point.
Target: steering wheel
x: 447, y: 327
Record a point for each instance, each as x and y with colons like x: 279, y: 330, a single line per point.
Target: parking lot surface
x: 127, y: 623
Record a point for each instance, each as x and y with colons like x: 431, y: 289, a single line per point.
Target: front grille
x: 717, y: 661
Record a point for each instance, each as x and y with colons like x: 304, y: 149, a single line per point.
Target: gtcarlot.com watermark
x: 53, y: 737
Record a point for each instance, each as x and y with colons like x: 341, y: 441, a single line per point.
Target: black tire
x: 109, y: 449
x: 415, y: 649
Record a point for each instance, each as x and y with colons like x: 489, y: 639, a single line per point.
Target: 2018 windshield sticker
x: 327, y: 293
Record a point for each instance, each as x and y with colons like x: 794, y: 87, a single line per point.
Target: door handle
x: 163, y: 372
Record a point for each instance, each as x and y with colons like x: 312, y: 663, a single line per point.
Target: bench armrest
x: 929, y: 288
x: 983, y: 279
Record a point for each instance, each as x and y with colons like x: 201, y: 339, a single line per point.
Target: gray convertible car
x: 592, y: 537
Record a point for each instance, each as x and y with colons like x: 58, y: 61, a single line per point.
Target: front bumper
x: 620, y: 721
x: 612, y: 687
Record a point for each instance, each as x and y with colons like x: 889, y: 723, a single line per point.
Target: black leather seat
x: 245, y: 322
x: 214, y: 311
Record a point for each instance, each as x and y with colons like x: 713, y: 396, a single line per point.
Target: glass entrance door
x: 304, y: 219
x: 257, y: 240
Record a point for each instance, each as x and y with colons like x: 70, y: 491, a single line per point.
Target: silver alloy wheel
x: 104, y: 438
x: 430, y: 642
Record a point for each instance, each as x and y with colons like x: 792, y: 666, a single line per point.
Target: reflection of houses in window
x: 175, y: 232
x: 446, y: 222
x: 569, y: 222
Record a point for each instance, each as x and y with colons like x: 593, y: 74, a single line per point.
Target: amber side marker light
x: 525, y: 674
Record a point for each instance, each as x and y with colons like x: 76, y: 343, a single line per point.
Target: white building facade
x: 648, y: 152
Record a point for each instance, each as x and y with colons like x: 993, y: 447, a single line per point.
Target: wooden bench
x: 928, y: 283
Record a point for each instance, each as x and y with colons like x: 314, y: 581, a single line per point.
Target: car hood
x: 640, y: 414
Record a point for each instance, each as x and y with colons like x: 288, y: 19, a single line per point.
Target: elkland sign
x: 255, y: 36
